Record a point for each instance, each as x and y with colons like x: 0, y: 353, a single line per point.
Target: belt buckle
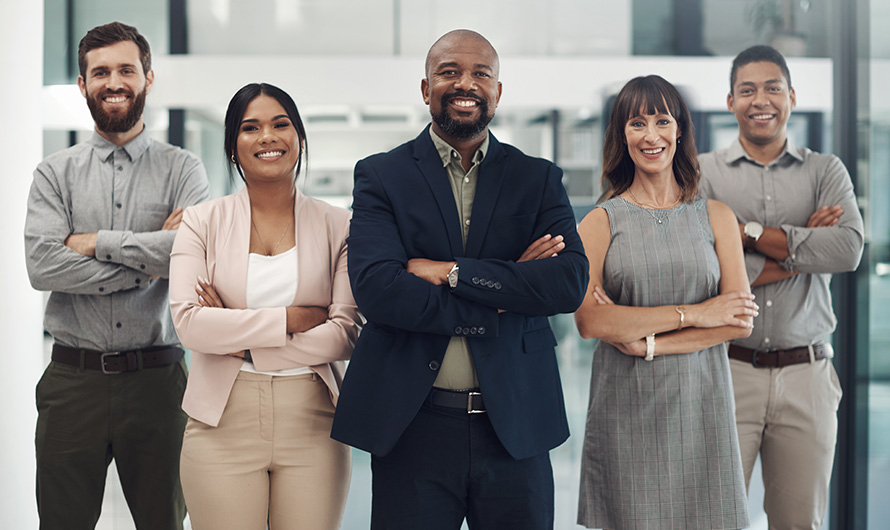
x: 102, y: 358
x: 470, y: 409
x: 754, y: 360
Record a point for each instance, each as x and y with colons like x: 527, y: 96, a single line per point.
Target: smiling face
x: 268, y: 145
x: 652, y: 142
x: 461, y: 87
x: 761, y: 101
x: 115, y: 87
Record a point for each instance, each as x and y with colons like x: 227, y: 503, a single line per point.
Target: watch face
x: 754, y: 230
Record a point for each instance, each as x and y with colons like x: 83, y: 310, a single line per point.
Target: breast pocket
x: 149, y: 217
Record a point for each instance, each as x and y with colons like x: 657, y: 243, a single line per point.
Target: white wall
x: 21, y: 148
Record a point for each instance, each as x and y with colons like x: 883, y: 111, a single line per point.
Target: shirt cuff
x: 108, y: 245
x: 796, y: 237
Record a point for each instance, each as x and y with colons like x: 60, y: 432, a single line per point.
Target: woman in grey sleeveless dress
x: 667, y: 289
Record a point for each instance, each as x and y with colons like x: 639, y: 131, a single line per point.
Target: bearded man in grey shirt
x: 799, y: 223
x: 102, y: 216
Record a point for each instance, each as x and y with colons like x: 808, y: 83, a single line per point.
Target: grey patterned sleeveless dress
x: 661, y: 449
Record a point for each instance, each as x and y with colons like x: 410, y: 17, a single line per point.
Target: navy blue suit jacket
x: 403, y: 208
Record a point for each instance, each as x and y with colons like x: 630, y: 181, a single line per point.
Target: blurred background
x: 354, y: 68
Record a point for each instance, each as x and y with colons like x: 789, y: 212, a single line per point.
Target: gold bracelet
x: 682, y: 310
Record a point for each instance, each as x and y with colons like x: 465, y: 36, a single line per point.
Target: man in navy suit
x: 460, y: 247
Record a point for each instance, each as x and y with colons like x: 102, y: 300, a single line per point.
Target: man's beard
x: 458, y: 129
x: 116, y: 123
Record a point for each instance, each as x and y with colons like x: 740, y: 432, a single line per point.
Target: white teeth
x: 464, y: 103
x: 116, y: 99
x: 762, y: 116
x: 270, y: 154
x: 653, y: 151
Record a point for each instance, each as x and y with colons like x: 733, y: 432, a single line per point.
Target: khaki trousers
x: 789, y: 416
x: 270, y: 460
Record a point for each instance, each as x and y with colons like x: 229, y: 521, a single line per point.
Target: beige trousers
x: 789, y: 416
x: 271, y: 459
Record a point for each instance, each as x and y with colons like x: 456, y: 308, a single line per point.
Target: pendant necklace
x: 658, y: 219
x: 280, y: 239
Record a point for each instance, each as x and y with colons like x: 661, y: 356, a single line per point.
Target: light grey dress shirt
x: 124, y: 194
x: 783, y: 194
x: 458, y: 371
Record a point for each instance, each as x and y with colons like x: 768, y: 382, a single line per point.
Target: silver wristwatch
x: 452, y: 276
x: 753, y: 231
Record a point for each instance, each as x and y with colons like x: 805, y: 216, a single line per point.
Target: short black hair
x: 758, y: 54
x: 235, y: 113
x: 108, y: 34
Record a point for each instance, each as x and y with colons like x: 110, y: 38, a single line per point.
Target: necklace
x: 658, y: 219
x: 280, y: 239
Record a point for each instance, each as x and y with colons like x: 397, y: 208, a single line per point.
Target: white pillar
x: 21, y: 308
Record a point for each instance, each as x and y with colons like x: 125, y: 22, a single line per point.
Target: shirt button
x: 769, y: 197
x: 142, y: 266
x: 769, y: 303
x: 118, y: 325
x: 766, y: 340
x: 101, y: 289
x: 119, y: 205
x: 467, y: 222
x: 138, y: 280
x: 466, y: 179
x: 107, y: 256
x: 434, y: 365
x: 120, y: 168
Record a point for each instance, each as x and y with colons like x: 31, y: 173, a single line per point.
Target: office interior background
x: 354, y: 69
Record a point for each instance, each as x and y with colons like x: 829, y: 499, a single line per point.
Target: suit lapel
x: 430, y: 164
x: 240, y: 247
x: 488, y: 187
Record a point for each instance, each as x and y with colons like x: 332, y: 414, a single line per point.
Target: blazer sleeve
x: 330, y: 341
x: 210, y: 329
x: 385, y: 291
x: 541, y: 287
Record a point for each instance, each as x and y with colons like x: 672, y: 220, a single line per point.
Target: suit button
x: 489, y: 284
x: 434, y: 365
x: 497, y: 285
x: 457, y: 330
x: 475, y: 280
x: 466, y: 331
x: 474, y: 330
x: 481, y: 330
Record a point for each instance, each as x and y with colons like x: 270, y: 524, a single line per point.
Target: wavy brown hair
x: 648, y: 95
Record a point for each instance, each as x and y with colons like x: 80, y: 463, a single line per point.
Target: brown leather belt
x: 117, y: 362
x: 779, y: 358
x: 469, y: 400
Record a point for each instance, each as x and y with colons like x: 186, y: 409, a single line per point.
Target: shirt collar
x: 134, y: 148
x: 736, y: 152
x: 448, y: 153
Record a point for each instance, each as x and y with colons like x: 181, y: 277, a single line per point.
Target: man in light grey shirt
x: 101, y: 220
x: 799, y: 223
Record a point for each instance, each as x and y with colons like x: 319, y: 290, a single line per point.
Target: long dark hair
x: 235, y: 113
x: 653, y: 95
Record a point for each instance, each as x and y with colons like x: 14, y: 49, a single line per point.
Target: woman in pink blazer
x: 260, y: 294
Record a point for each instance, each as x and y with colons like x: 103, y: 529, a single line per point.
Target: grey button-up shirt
x: 124, y: 194
x: 783, y: 194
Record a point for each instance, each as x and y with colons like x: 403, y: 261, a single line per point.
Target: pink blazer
x: 213, y: 242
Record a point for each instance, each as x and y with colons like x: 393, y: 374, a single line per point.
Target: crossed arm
x: 724, y: 317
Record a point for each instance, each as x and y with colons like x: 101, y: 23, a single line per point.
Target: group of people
x: 437, y: 289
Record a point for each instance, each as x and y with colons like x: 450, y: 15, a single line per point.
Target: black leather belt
x: 779, y: 358
x: 469, y: 400
x: 117, y: 362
